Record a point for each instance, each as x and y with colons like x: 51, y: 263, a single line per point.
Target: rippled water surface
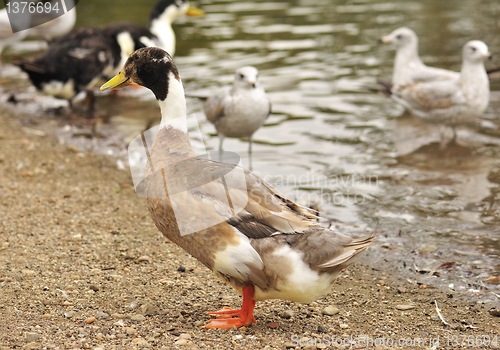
x: 329, y: 141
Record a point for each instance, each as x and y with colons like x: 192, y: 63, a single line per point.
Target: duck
x: 100, y: 52
x: 73, y: 63
x: 451, y: 102
x: 263, y: 244
x: 44, y: 28
x: 408, y: 67
x: 241, y: 109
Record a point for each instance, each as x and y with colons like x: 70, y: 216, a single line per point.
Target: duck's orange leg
x: 243, y: 316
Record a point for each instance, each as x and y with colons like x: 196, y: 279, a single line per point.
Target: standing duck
x: 270, y: 249
x: 239, y: 110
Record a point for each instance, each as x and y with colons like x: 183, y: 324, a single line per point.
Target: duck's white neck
x: 174, y: 106
x: 406, y: 57
x: 162, y: 28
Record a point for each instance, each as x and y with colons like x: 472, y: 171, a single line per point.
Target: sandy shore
x: 82, y: 266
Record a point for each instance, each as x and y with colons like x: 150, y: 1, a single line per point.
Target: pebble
x: 5, y: 244
x: 148, y: 309
x: 185, y: 336
x: 46, y: 316
x: 494, y: 312
x: 120, y: 316
x: 405, y: 307
x: 181, y: 269
x: 181, y: 342
x: 330, y: 310
x: 434, y: 318
x: 69, y: 314
x: 138, y: 318
x: 90, y: 320
x: 199, y: 323
x: 287, y: 314
x: 402, y: 290
x: 322, y: 329
x: 101, y: 314
x: 94, y: 287
x: 272, y: 325
x: 31, y: 337
x: 130, y: 330
x: 289, y: 345
x: 143, y: 258
x: 344, y: 326
x: 139, y: 341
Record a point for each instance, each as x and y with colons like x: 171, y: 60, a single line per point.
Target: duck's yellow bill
x: 117, y: 82
x: 193, y: 11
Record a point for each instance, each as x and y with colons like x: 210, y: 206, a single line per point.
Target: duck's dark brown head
x: 150, y: 67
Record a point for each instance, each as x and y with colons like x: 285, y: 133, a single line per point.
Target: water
x: 331, y: 143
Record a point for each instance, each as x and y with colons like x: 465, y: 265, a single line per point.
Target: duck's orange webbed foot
x: 243, y: 316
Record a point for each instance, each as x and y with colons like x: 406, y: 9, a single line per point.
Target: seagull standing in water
x: 239, y: 110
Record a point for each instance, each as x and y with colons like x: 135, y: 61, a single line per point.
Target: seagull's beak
x: 193, y: 11
x: 117, y: 82
x: 252, y: 84
x: 488, y: 56
x: 384, y: 40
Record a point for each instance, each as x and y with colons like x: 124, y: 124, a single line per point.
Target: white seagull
x: 408, y: 67
x: 239, y: 110
x: 451, y: 102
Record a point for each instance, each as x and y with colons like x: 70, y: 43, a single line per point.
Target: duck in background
x: 272, y: 249
x: 77, y: 61
x: 241, y: 109
x: 452, y: 102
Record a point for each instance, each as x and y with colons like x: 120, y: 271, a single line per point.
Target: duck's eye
x: 473, y: 49
x: 242, y: 76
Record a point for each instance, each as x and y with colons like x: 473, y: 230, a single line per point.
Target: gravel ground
x: 83, y: 267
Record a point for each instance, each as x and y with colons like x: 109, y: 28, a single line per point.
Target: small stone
x: 31, y: 337
x: 186, y: 336
x: 344, y: 326
x: 94, y: 287
x: 68, y: 314
x: 139, y: 341
x: 90, y: 320
x: 46, y: 316
x: 130, y: 330
x: 199, y: 323
x: 289, y: 345
x: 75, y: 277
x: 330, y: 310
x: 434, y: 318
x: 101, y: 314
x: 143, y: 258
x: 5, y: 244
x: 495, y: 312
x: 402, y: 290
x: 405, y: 307
x: 148, y: 309
x: 181, y: 342
x: 138, y: 318
x: 181, y: 269
x: 272, y: 325
x: 120, y: 316
x: 287, y: 314
x: 322, y: 329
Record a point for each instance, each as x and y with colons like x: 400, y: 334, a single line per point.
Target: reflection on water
x: 327, y: 134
